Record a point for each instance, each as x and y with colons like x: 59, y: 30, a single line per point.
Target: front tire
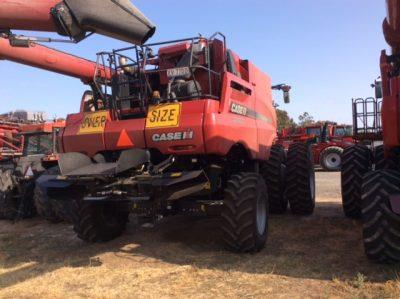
x: 381, y: 226
x: 300, y: 179
x: 45, y: 206
x: 245, y: 213
x: 356, y: 161
x: 274, y: 175
x: 16, y: 198
x: 331, y: 158
x: 100, y: 222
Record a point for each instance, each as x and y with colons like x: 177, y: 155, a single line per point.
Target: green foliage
x: 305, y: 119
x: 284, y: 120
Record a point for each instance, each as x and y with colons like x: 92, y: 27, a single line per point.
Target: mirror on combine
x: 378, y: 88
x: 286, y: 97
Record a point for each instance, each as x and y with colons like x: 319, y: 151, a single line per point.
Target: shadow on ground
x: 323, y: 246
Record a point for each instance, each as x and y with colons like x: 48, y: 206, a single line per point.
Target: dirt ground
x: 319, y: 256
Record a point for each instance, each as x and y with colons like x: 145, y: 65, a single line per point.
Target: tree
x: 306, y: 119
x: 284, y: 120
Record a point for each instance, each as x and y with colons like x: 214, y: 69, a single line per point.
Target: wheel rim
x: 333, y: 161
x: 312, y: 184
x: 261, y: 215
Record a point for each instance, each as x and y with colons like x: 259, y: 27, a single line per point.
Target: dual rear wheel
x: 248, y: 199
x: 371, y: 192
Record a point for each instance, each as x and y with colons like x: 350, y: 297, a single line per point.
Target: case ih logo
x: 186, y: 135
x: 238, y: 109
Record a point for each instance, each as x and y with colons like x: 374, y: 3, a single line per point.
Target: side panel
x: 266, y: 115
x: 125, y: 134
x: 233, y: 121
x: 84, y: 132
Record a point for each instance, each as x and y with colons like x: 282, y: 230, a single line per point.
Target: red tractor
x: 371, y: 177
x: 18, y: 175
x: 327, y: 140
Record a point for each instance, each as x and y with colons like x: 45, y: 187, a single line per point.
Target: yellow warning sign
x: 93, y: 123
x: 163, y: 116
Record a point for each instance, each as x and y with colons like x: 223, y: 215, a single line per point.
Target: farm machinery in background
x: 11, y: 144
x: 371, y: 174
x: 327, y: 141
x: 27, y: 145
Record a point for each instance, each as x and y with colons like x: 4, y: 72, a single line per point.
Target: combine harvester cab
x: 181, y: 127
x: 371, y: 175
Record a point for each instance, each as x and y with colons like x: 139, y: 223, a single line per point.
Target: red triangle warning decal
x: 124, y: 140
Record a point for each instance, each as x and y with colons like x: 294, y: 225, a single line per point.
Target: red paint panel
x: 89, y: 144
x: 27, y: 15
x: 222, y: 128
x: 191, y: 120
x: 134, y: 128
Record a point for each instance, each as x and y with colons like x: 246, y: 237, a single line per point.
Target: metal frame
x: 140, y: 62
x: 367, y: 123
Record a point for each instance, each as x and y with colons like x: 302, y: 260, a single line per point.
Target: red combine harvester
x: 179, y: 127
x: 328, y: 142
x: 371, y: 178
x: 183, y: 127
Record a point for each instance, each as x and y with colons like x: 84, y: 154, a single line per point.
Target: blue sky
x: 327, y: 50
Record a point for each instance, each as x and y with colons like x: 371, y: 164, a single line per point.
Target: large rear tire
x: 356, y: 161
x: 46, y: 206
x: 16, y: 201
x: 245, y: 213
x: 381, y: 162
x: 381, y: 226
x: 274, y: 175
x: 100, y: 222
x: 300, y: 179
x: 331, y: 158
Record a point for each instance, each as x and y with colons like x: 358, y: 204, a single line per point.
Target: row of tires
x: 20, y: 198
x: 247, y: 201
x: 249, y: 197
x: 369, y: 184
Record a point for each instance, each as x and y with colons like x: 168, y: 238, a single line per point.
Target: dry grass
x: 320, y: 256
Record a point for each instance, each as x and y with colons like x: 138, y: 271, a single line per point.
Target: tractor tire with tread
x: 244, y: 217
x: 300, y: 179
x: 331, y: 158
x: 99, y: 222
x: 16, y: 202
x: 381, y: 162
x: 356, y: 161
x: 381, y: 226
x: 46, y: 207
x: 274, y: 176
